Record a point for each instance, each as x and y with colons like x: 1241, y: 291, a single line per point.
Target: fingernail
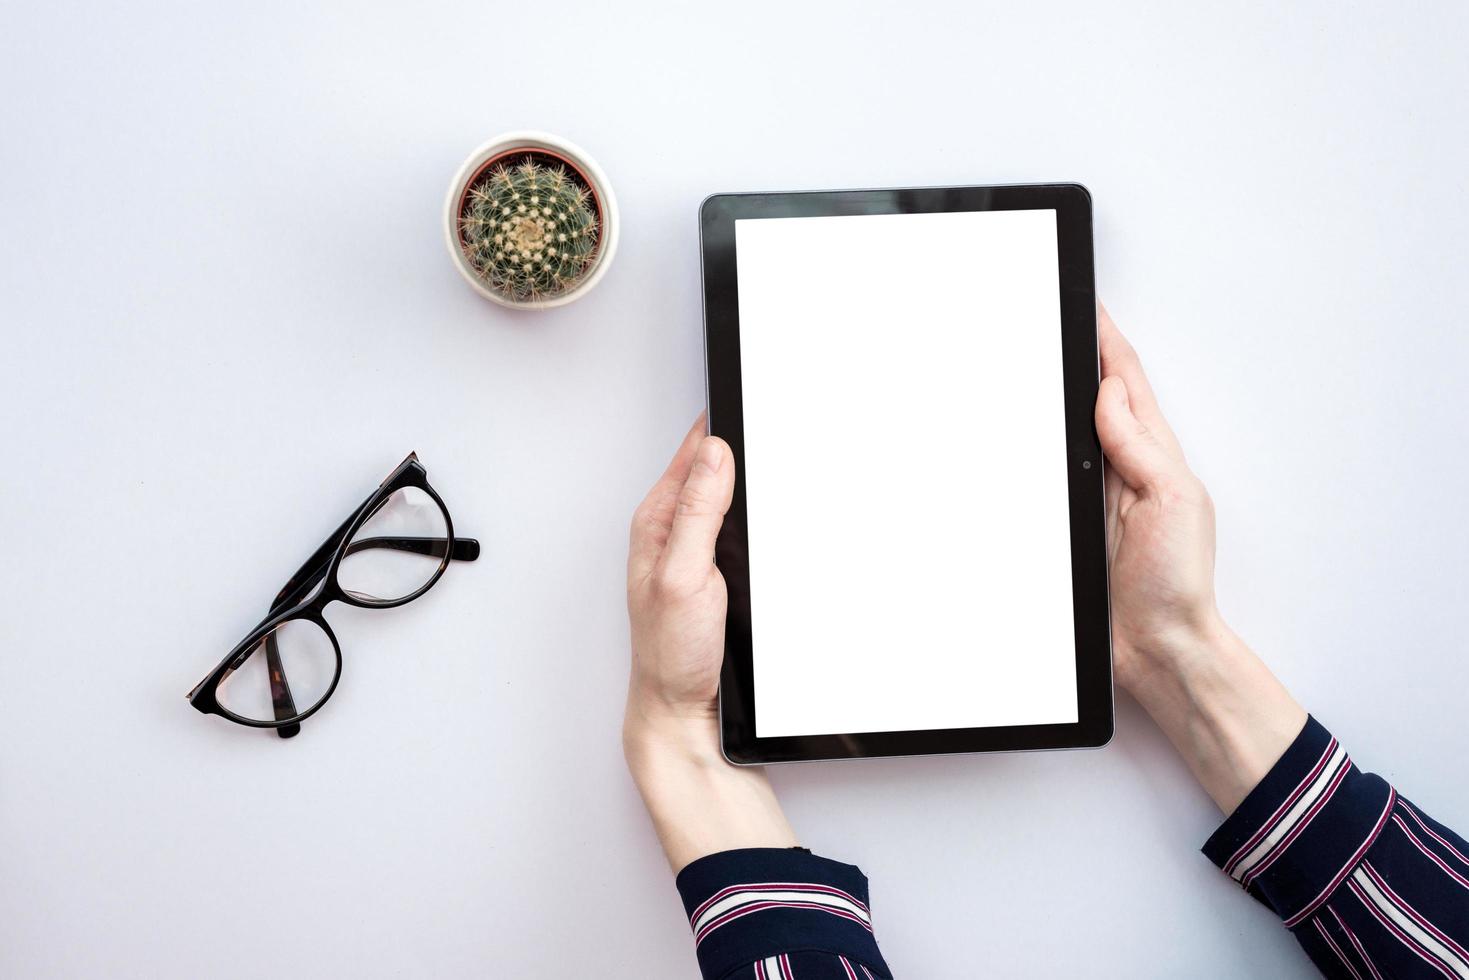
x: 710, y: 458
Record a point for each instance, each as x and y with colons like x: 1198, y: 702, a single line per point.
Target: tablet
x: 916, y: 551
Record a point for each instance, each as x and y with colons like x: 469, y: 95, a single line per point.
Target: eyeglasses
x: 389, y: 552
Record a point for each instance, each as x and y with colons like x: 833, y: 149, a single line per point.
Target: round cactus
x: 529, y: 229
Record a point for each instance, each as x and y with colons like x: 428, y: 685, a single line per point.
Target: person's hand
x: 675, y: 596
x: 1223, y: 709
x: 676, y: 599
x: 1160, y: 522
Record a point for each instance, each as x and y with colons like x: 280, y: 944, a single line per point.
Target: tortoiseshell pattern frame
x: 301, y: 599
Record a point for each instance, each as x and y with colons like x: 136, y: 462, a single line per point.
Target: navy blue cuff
x: 749, y: 904
x: 1302, y: 830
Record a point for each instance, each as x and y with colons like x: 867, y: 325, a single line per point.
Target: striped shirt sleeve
x: 1370, y: 885
x: 780, y: 914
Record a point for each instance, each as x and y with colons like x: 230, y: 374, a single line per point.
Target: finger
x: 702, y: 504
x: 1133, y: 449
x: 1112, y: 485
x: 1120, y: 358
x: 1113, y: 493
x: 654, y: 517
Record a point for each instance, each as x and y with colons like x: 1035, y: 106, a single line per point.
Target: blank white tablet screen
x: 905, y: 472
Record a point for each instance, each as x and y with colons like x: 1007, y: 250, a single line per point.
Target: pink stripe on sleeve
x: 1336, y: 949
x: 1412, y: 913
x: 785, y: 886
x: 1403, y: 937
x: 1290, y: 800
x: 1340, y: 876
x: 1301, y: 824
x: 1429, y: 831
x: 744, y: 910
x: 1356, y: 944
x: 1443, y: 865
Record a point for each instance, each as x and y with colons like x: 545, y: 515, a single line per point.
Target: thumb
x: 702, y: 503
x: 1133, y: 450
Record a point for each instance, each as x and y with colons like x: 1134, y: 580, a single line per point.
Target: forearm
x: 1225, y: 712
x: 699, y: 803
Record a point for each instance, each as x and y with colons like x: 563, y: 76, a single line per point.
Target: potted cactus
x: 530, y: 221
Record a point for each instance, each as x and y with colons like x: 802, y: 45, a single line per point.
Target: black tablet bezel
x: 1072, y: 204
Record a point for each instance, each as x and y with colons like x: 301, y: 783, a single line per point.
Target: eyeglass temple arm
x: 280, y: 689
x: 306, y: 577
x: 465, y: 549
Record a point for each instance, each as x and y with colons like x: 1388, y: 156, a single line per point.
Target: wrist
x: 654, y: 739
x: 1226, y: 713
x: 699, y: 803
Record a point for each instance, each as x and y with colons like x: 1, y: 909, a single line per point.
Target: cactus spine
x: 529, y: 230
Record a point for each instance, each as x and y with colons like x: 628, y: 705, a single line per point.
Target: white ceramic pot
x: 578, y: 159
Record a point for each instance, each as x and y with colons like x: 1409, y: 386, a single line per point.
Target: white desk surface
x: 227, y: 312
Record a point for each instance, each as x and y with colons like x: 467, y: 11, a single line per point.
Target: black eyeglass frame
x: 301, y: 599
